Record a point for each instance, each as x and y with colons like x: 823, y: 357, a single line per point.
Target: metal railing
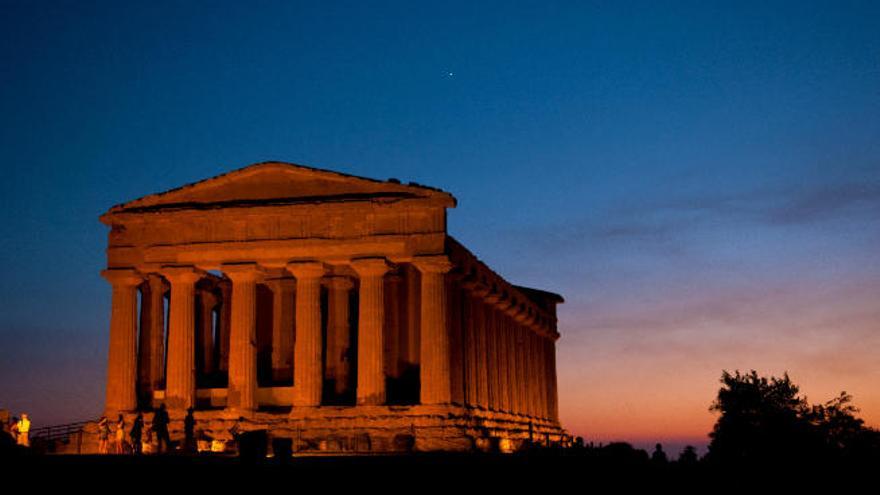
x: 56, y: 432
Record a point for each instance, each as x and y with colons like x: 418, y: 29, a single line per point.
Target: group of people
x: 19, y: 429
x: 140, y: 437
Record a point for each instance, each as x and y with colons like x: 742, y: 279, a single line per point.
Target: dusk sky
x: 701, y: 183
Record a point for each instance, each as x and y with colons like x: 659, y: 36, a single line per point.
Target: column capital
x: 287, y: 283
x: 503, y: 303
x: 122, y: 277
x: 514, y: 310
x: 155, y: 281
x: 243, y: 272
x: 306, y: 269
x: 432, y: 264
x: 339, y: 283
x: 182, y: 274
x: 366, y: 267
x: 476, y: 289
x: 525, y: 316
x: 494, y: 298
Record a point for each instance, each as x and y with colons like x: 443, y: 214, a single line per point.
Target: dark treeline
x: 763, y: 421
x: 763, y: 425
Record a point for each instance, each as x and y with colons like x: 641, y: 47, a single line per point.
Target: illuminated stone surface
x: 331, y: 309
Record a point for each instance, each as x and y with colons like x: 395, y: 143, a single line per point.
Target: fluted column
x: 207, y: 301
x: 532, y: 379
x: 542, y: 353
x: 492, y: 357
x: 539, y: 376
x: 282, y: 326
x: 535, y: 373
x: 542, y: 369
x: 122, y: 358
x: 180, y: 389
x: 511, y: 362
x: 371, y: 319
x: 482, y: 364
x: 307, y: 382
x: 338, y: 333
x: 410, y: 347
x: 242, y: 391
x: 502, y: 353
x: 554, y: 399
x: 393, y: 324
x: 225, y: 323
x: 151, y: 349
x: 470, y: 344
x: 522, y: 402
x: 434, y: 369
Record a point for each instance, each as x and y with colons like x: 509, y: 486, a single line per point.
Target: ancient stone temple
x: 331, y: 309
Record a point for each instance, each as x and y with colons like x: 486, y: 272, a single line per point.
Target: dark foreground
x: 547, y: 470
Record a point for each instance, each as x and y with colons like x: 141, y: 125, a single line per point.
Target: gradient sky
x: 701, y: 183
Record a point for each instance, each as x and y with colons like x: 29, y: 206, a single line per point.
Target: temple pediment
x: 274, y: 183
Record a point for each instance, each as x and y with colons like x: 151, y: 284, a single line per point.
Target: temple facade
x: 331, y: 309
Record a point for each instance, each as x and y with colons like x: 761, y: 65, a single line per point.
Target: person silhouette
x: 658, y: 456
x: 22, y: 429
x: 137, y: 430
x: 119, y: 439
x: 103, y: 435
x: 189, y: 431
x: 160, y: 427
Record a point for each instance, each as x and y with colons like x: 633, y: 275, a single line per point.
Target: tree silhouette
x: 765, y: 420
x: 688, y: 456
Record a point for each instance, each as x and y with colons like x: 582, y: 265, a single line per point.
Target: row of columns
x: 242, y: 351
x: 509, y: 365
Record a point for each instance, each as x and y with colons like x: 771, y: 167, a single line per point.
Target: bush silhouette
x: 766, y: 420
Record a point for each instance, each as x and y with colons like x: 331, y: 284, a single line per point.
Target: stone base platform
x: 369, y: 429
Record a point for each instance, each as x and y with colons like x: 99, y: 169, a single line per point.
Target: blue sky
x: 701, y: 182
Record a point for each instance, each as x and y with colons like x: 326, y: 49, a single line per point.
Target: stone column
x: 492, y: 357
x: 536, y: 360
x: 482, y: 354
x: 554, y: 397
x: 225, y: 323
x: 307, y: 382
x: 473, y: 348
x: 241, y: 395
x: 545, y: 402
x: 503, y: 349
x: 122, y: 359
x: 512, y: 382
x: 393, y: 324
x: 530, y: 371
x: 180, y: 389
x: 521, y: 397
x: 338, y: 333
x: 282, y: 326
x: 151, y: 350
x: 371, y: 319
x: 536, y: 373
x: 411, y: 348
x: 207, y: 301
x: 434, y: 353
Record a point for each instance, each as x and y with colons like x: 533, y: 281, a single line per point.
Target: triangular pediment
x: 279, y: 183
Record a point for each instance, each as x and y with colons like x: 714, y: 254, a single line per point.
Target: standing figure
x: 189, y: 432
x: 147, y: 443
x: 659, y: 457
x: 160, y: 428
x: 24, y: 428
x: 137, y: 430
x: 119, y: 444
x: 103, y: 435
